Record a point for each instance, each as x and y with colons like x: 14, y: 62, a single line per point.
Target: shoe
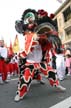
x: 61, y: 88
x: 6, y: 81
x: 8, y: 77
x: 1, y: 82
x: 42, y: 82
x: 68, y: 74
x: 61, y: 79
x: 17, y: 98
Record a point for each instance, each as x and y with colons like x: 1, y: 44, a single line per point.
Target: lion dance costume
x: 40, y: 37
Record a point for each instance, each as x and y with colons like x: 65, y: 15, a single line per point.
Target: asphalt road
x: 39, y: 96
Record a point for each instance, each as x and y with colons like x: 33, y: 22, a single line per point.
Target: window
x: 67, y: 14
x: 68, y: 34
x: 55, y: 21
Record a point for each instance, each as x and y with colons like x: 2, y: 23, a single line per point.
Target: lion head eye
x: 29, y: 17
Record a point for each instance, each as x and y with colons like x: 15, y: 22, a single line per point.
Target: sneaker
x: 8, y: 77
x: 68, y: 74
x: 6, y: 81
x: 1, y: 82
x: 61, y: 88
x: 61, y: 79
x: 41, y: 82
x: 17, y: 98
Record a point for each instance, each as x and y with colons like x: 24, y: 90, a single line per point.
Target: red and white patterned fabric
x: 33, y: 64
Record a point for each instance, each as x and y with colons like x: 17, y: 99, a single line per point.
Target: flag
x: 16, y: 47
x: 5, y: 45
x: 10, y: 49
x: 60, y: 1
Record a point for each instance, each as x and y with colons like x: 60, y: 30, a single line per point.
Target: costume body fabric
x: 34, y: 63
x: 39, y: 39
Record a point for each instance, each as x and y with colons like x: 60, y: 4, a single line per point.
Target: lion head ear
x: 42, y: 13
x: 24, y: 13
x: 29, y: 13
x: 52, y: 16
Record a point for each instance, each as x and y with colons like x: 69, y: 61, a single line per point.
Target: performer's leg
x: 8, y: 72
x: 1, y: 81
x: 53, y: 80
x: 38, y: 77
x: 1, y: 71
x: 16, y: 69
x: 51, y: 75
x: 4, y: 76
x: 69, y: 71
x: 11, y: 69
x: 24, y: 84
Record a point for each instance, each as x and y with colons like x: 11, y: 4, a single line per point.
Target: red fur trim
x: 39, y: 77
x: 23, y: 91
x: 53, y: 83
x: 23, y: 54
x: 57, y: 82
x: 42, y: 13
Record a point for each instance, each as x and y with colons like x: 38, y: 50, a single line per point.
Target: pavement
x: 39, y: 96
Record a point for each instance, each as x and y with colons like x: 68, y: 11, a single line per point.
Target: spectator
x: 54, y: 62
x: 68, y: 63
x: 3, y: 59
x: 60, y: 64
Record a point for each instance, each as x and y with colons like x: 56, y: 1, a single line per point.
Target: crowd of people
x: 61, y: 61
x: 8, y: 64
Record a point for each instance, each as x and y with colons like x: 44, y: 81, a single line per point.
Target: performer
x: 60, y: 64
x: 16, y: 64
x: 3, y: 58
x: 40, y: 36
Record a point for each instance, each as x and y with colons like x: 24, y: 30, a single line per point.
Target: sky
x: 11, y: 10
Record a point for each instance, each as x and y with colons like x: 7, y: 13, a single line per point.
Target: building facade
x: 63, y: 21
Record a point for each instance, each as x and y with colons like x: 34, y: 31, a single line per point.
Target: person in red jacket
x: 3, y: 59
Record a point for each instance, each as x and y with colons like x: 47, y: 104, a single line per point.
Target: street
x: 39, y: 96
